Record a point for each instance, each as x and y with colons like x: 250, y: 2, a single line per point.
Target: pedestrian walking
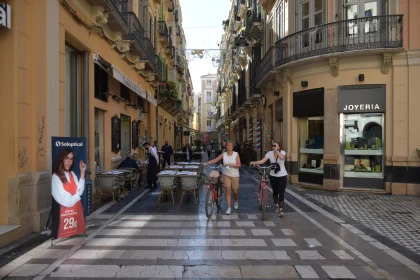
x: 278, y: 175
x: 208, y: 149
x: 188, y: 153
x: 232, y: 163
x: 152, y: 162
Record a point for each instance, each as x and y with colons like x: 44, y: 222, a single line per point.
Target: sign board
x: 69, y: 195
x: 115, y: 134
x: 119, y: 76
x: 362, y: 99
x: 5, y: 15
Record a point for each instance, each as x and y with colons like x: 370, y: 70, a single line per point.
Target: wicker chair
x: 168, y: 185
x: 108, y: 184
x: 189, y: 185
x: 131, y: 178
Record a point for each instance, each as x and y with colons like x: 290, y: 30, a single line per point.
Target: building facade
x: 208, y: 107
x: 334, y: 82
x: 82, y: 68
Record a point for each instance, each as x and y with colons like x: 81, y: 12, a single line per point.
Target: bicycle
x: 214, y: 190
x: 263, y: 189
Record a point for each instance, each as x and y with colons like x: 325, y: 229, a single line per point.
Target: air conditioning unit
x: 140, y: 116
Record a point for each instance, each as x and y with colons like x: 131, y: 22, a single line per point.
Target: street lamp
x: 242, y: 43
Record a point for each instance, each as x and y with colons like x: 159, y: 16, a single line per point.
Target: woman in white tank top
x: 232, y: 163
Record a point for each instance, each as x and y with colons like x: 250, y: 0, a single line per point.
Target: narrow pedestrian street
x: 138, y: 238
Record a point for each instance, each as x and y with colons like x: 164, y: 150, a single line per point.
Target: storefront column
x: 331, y: 141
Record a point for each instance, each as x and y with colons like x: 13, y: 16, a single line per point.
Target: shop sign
x: 362, y: 99
x: 119, y: 76
x: 5, y: 15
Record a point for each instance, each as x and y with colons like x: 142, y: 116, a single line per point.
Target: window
x: 208, y: 97
x: 359, y: 9
x: 101, y: 83
x: 125, y: 92
x: 363, y: 152
x: 311, y: 148
x: 99, y: 138
x: 311, y: 14
x: 208, y: 83
x: 208, y: 123
x: 73, y: 85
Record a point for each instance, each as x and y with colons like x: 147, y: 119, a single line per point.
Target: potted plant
x: 418, y: 152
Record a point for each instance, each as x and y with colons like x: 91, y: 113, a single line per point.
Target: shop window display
x: 363, y: 145
x: 311, y: 145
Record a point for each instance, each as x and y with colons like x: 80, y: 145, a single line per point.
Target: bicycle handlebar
x: 212, y: 167
x: 262, y: 169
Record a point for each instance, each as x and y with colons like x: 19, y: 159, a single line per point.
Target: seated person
x: 129, y: 162
x: 140, y: 165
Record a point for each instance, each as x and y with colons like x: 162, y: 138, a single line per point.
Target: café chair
x: 168, y: 185
x: 189, y: 185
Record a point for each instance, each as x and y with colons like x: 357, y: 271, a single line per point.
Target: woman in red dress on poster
x: 67, y: 210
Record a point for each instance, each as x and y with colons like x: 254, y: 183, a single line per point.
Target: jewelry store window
x: 311, y: 149
x: 362, y: 144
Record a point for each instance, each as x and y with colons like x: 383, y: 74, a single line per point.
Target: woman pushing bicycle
x: 278, y: 175
x: 231, y: 163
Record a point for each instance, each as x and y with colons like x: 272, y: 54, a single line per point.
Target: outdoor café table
x: 174, y: 167
x: 177, y: 174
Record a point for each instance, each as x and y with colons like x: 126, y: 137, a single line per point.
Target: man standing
x: 168, y: 151
x: 152, y: 161
x: 208, y: 149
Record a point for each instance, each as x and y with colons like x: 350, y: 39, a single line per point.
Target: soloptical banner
x: 67, y: 186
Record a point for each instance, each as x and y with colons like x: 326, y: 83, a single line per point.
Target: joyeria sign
x: 5, y: 15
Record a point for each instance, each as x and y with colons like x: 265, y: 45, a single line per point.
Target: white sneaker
x: 236, y: 205
x: 228, y: 211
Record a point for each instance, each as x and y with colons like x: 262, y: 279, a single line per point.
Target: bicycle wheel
x: 263, y: 202
x: 209, y: 202
x: 219, y: 196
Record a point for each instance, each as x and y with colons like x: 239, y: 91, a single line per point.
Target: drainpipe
x: 86, y: 61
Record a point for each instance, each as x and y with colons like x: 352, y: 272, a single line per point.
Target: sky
x: 197, y: 14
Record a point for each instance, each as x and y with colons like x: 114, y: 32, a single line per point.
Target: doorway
x: 311, y: 14
x: 125, y: 135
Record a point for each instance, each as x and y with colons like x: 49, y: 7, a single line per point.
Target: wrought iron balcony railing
x: 150, y: 53
x: 120, y: 9
x: 163, y: 29
x: 348, y: 35
x: 265, y: 66
x: 159, y: 67
x: 135, y: 34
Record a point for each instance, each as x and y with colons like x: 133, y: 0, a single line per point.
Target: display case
x: 362, y: 150
x: 311, y: 150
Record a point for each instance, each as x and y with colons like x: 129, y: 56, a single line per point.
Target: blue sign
x: 78, y: 147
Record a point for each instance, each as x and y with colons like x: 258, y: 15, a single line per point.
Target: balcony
x: 117, y: 11
x: 142, y: 46
x: 266, y: 65
x: 163, y: 30
x: 369, y: 33
x: 159, y: 68
x: 253, y: 22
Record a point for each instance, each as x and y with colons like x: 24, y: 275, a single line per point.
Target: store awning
x: 119, y: 76
x: 151, y: 99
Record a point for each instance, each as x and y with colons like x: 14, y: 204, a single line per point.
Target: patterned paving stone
x: 394, y: 217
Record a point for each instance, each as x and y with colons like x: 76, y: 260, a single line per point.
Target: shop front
x: 308, y: 108
x: 362, y: 111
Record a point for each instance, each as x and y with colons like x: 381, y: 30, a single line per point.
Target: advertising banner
x: 67, y: 187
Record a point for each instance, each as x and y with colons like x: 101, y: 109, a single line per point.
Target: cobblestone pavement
x: 138, y: 239
x: 395, y: 217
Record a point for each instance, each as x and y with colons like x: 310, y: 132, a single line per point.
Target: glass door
x: 363, y: 24
x: 362, y: 150
x: 311, y: 14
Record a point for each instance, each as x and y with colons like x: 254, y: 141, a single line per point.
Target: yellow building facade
x: 69, y: 68
x: 335, y: 83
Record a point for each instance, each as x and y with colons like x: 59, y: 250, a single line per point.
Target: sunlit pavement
x: 322, y: 236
